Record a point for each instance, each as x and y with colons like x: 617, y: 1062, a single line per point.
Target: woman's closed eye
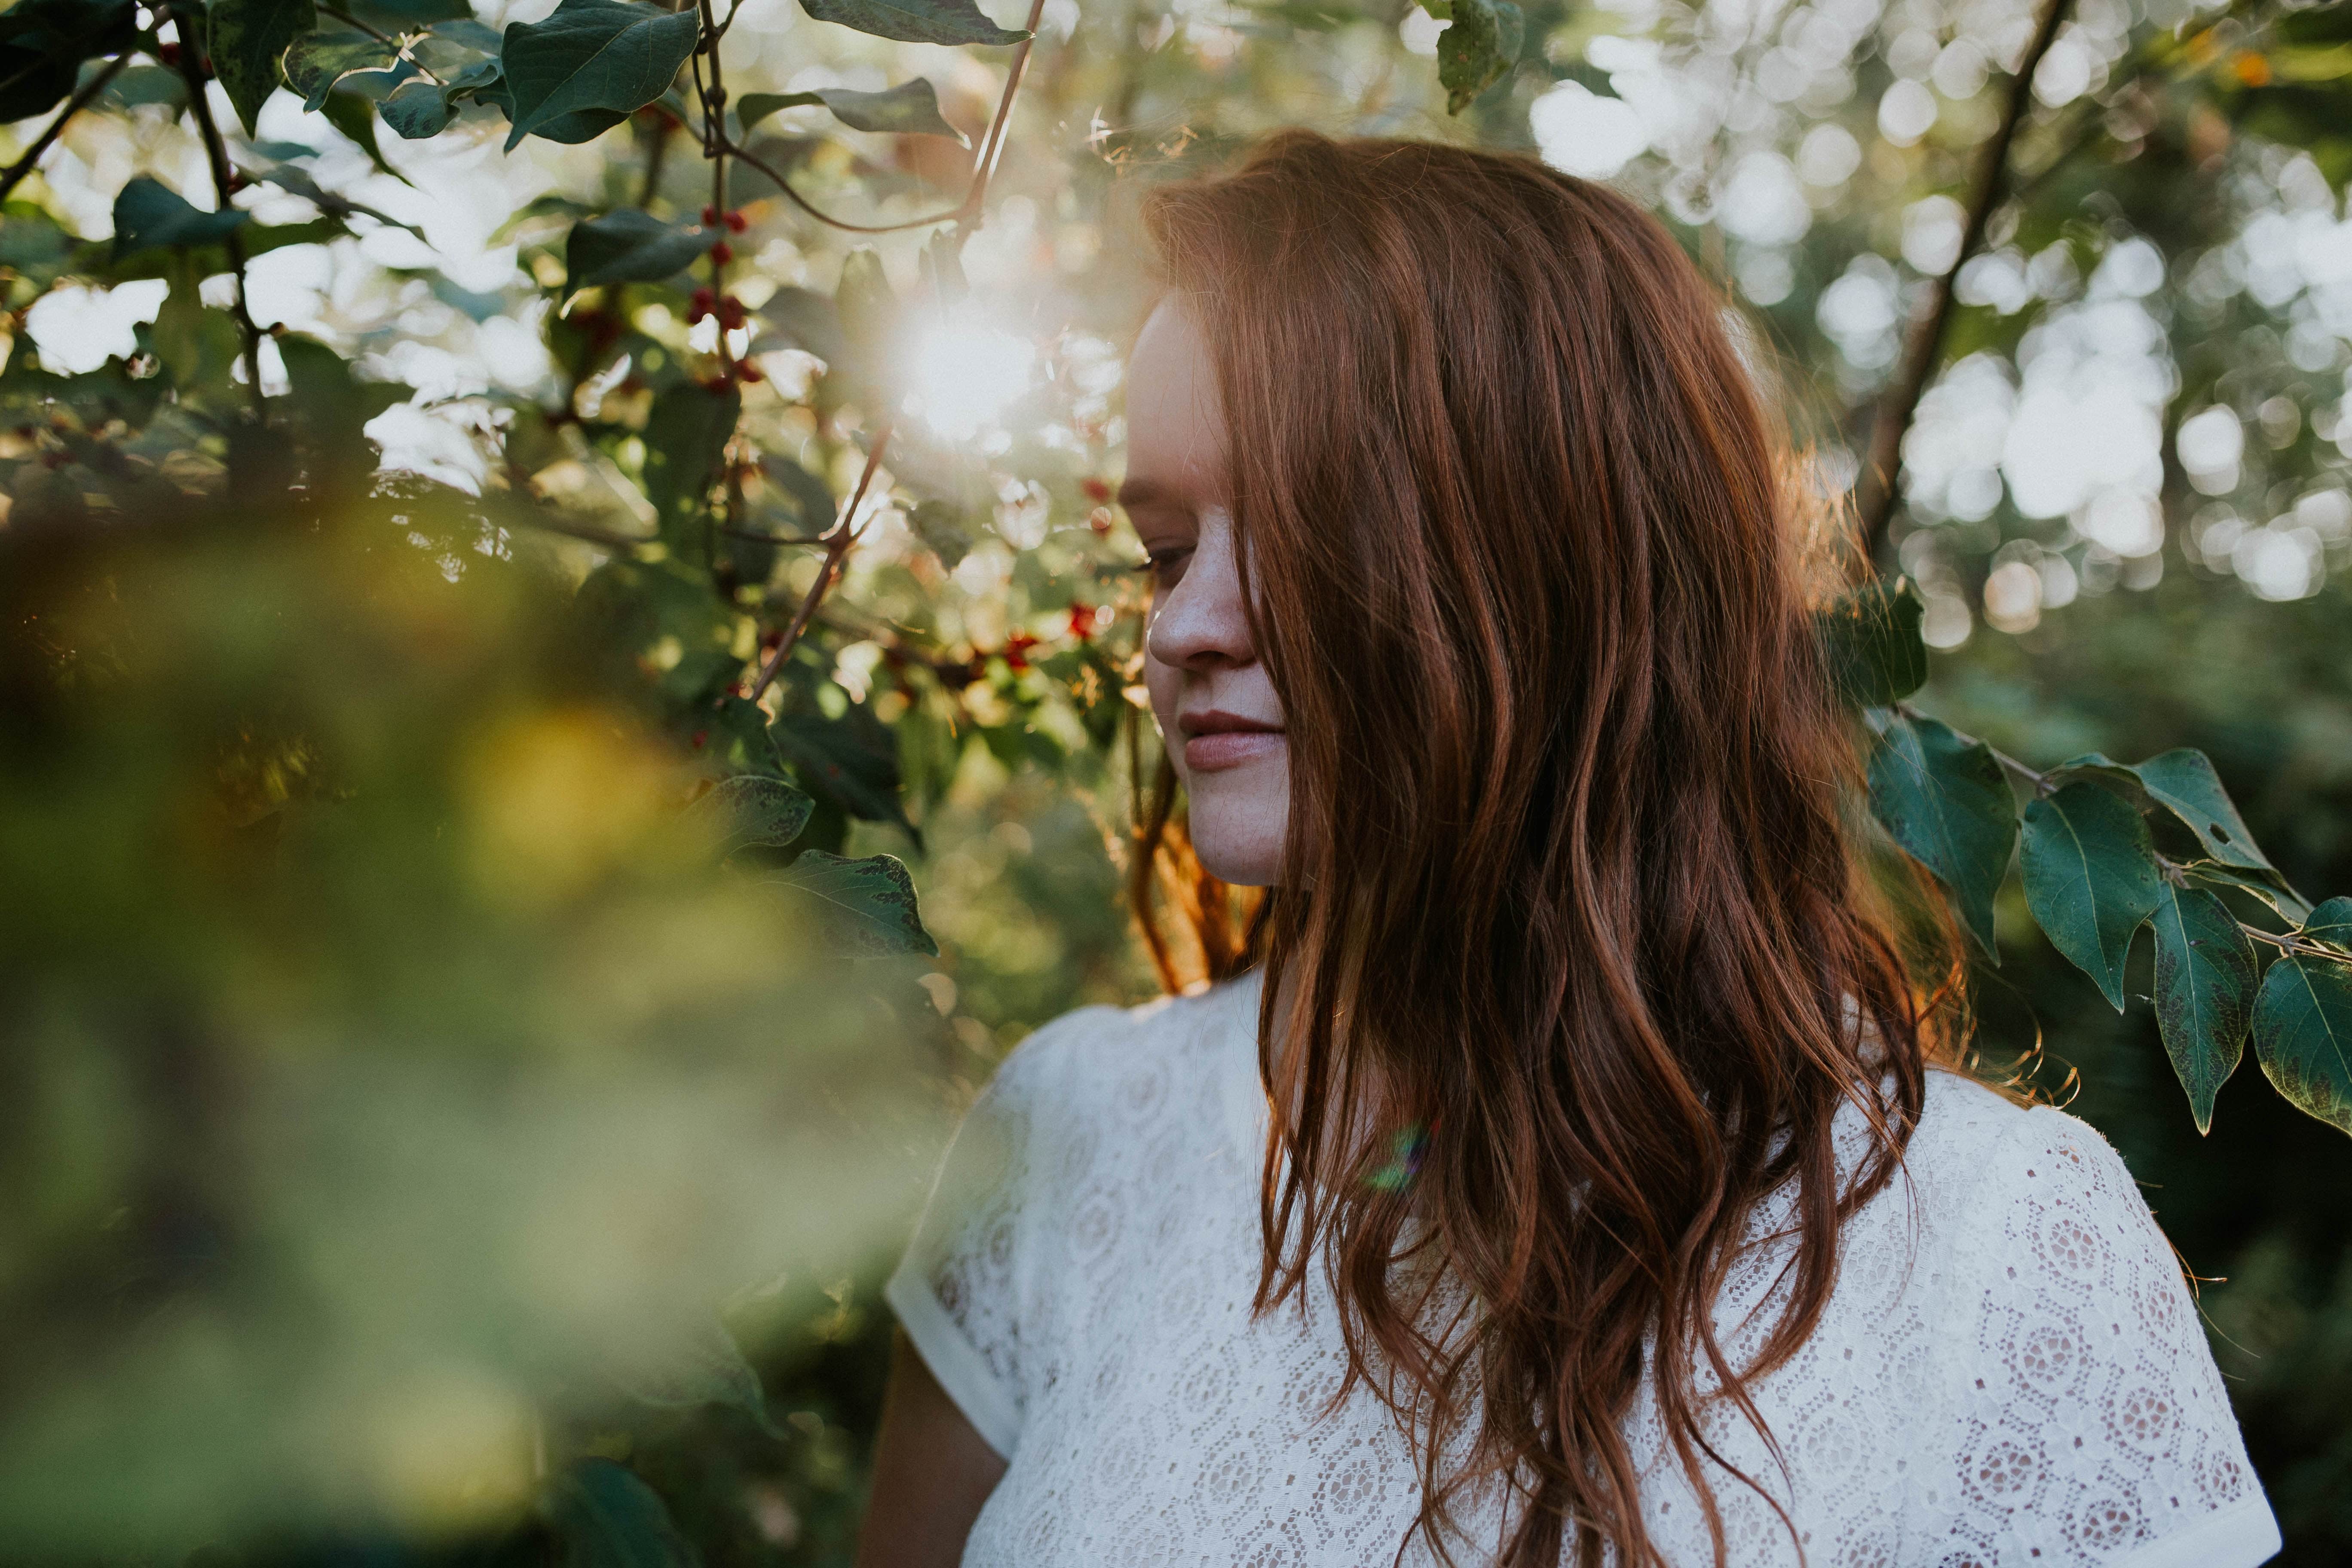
x: 1164, y: 566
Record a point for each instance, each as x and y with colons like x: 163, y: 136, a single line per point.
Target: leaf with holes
x: 1942, y: 797
x: 592, y: 58
x: 872, y: 902
x: 914, y: 21
x: 246, y: 38
x: 911, y: 108
x: 2289, y: 904
x: 755, y: 811
x: 2205, y: 971
x: 1477, y: 48
x: 2331, y: 923
x: 2090, y: 878
x: 2183, y: 782
x: 316, y: 62
x: 631, y: 246
x: 2303, y: 1034
x: 1870, y: 639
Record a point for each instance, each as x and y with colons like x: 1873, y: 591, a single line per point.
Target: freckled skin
x: 1198, y: 655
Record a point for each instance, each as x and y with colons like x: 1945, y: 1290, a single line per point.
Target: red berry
x: 710, y: 216
x: 170, y: 53
x: 746, y: 371
x: 738, y: 222
x: 700, y: 736
x: 1082, y: 621
x: 1096, y: 490
x: 722, y: 253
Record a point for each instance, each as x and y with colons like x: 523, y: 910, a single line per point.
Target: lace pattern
x: 2010, y: 1371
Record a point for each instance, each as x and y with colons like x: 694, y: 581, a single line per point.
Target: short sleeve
x: 966, y: 1289
x: 2087, y: 1422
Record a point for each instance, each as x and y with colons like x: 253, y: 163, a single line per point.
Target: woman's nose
x: 1201, y: 621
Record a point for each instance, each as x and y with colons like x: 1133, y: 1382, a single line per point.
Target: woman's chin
x: 1242, y: 854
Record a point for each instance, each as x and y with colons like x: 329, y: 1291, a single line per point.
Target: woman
x: 1562, y: 1165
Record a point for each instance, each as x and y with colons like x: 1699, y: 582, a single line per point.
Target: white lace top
x: 2010, y: 1371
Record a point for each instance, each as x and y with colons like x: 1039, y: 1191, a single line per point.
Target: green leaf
x: 2206, y: 971
x: 686, y: 437
x: 851, y: 761
x: 592, y: 58
x: 707, y: 1367
x: 2185, y: 784
x: 148, y: 212
x: 316, y: 62
x: 1870, y: 639
x: 2303, y: 1034
x: 914, y: 21
x: 353, y: 114
x: 2331, y: 923
x: 2289, y: 905
x: 1477, y: 48
x: 872, y: 900
x: 758, y: 811
x: 631, y: 246
x: 331, y: 407
x: 423, y: 110
x: 44, y: 42
x: 2090, y: 878
x: 813, y: 502
x: 1942, y: 797
x: 808, y: 321
x: 605, y: 1517
x: 247, y: 38
x: 911, y: 109
x: 196, y: 346
x: 944, y: 528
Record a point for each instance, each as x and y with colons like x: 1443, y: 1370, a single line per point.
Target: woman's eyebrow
x: 1142, y: 491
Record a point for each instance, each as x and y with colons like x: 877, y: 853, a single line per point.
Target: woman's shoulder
x: 1100, y: 1054
x: 1976, y: 1150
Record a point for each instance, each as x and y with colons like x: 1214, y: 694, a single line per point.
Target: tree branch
x: 838, y: 539
x: 1875, y: 487
x: 74, y: 105
x: 194, y: 70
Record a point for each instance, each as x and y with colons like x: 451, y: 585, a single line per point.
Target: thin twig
x: 838, y: 539
x: 194, y: 71
x: 1875, y: 488
x: 992, y: 146
x: 74, y: 105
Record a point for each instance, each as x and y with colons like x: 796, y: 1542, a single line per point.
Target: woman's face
x: 1214, y: 701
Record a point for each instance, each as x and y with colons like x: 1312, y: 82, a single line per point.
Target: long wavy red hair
x: 1570, y: 877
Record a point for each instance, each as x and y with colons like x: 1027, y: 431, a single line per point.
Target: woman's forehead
x: 1175, y: 428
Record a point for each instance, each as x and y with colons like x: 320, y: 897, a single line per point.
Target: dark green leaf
x: 44, y: 42
x: 686, y: 437
x: 331, y: 407
x: 631, y: 246
x: 2289, y: 905
x: 148, y: 212
x: 852, y: 760
x: 944, y: 528
x: 2303, y: 1034
x: 151, y: 84
x: 602, y: 1516
x: 812, y: 499
x: 2331, y: 923
x: 592, y: 58
x: 911, y: 108
x: 316, y: 62
x: 757, y: 810
x: 423, y: 110
x: 1477, y: 48
x: 914, y: 21
x: 2104, y: 772
x: 2090, y: 878
x: 744, y: 743
x: 1870, y: 639
x: 871, y: 902
x: 247, y: 38
x: 399, y: 16
x: 1943, y: 798
x: 197, y: 346
x: 2205, y: 977
x: 2185, y: 784
x: 808, y: 321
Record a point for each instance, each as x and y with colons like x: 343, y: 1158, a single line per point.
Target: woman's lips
x: 1216, y: 740
x: 1221, y: 748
